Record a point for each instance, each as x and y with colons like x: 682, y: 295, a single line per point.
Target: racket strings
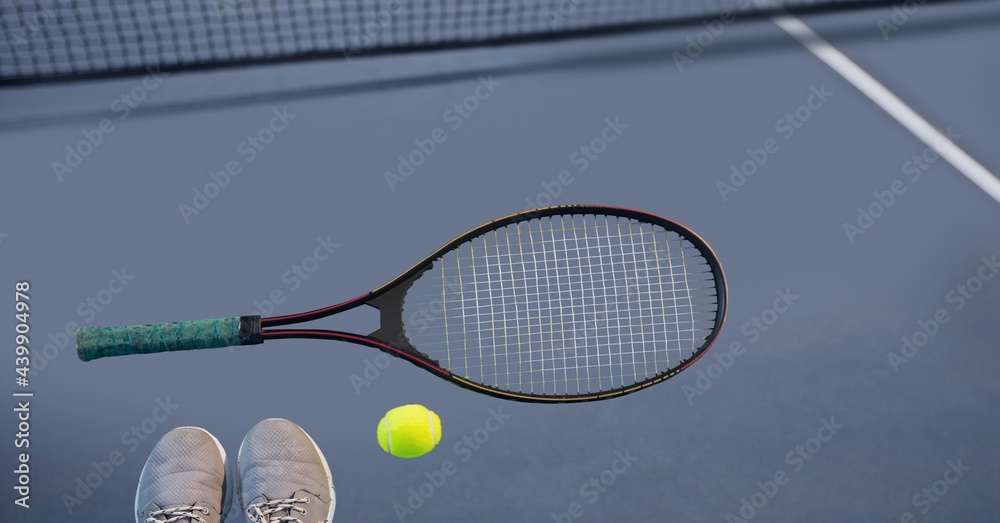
x: 565, y: 305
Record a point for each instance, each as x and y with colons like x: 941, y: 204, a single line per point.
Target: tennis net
x: 58, y: 40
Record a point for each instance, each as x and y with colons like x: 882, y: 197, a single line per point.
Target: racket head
x: 560, y: 304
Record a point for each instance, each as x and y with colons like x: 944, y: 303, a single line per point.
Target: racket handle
x: 101, y: 342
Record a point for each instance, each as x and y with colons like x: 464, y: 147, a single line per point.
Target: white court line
x: 884, y: 98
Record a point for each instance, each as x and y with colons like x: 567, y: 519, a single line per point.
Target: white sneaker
x: 283, y: 476
x: 183, y: 480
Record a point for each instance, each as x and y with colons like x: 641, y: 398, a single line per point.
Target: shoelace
x: 177, y: 514
x: 265, y: 511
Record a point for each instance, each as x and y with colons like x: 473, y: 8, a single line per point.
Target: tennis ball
x: 409, y: 431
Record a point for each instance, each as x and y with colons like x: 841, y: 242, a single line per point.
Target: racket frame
x: 391, y: 337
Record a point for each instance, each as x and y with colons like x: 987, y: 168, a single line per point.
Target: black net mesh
x: 70, y: 39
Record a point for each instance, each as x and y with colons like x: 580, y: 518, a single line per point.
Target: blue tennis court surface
x: 853, y: 380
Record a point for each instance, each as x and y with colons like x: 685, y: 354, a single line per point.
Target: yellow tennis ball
x: 409, y: 431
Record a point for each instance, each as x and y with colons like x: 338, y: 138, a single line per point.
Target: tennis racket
x: 561, y: 304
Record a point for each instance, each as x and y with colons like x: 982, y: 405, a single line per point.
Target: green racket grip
x: 100, y: 342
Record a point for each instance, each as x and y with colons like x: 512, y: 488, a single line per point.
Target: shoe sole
x: 222, y: 451
x: 326, y: 469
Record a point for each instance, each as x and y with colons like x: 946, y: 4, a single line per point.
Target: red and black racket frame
x: 391, y: 337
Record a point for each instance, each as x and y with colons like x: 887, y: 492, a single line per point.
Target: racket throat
x: 390, y: 306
